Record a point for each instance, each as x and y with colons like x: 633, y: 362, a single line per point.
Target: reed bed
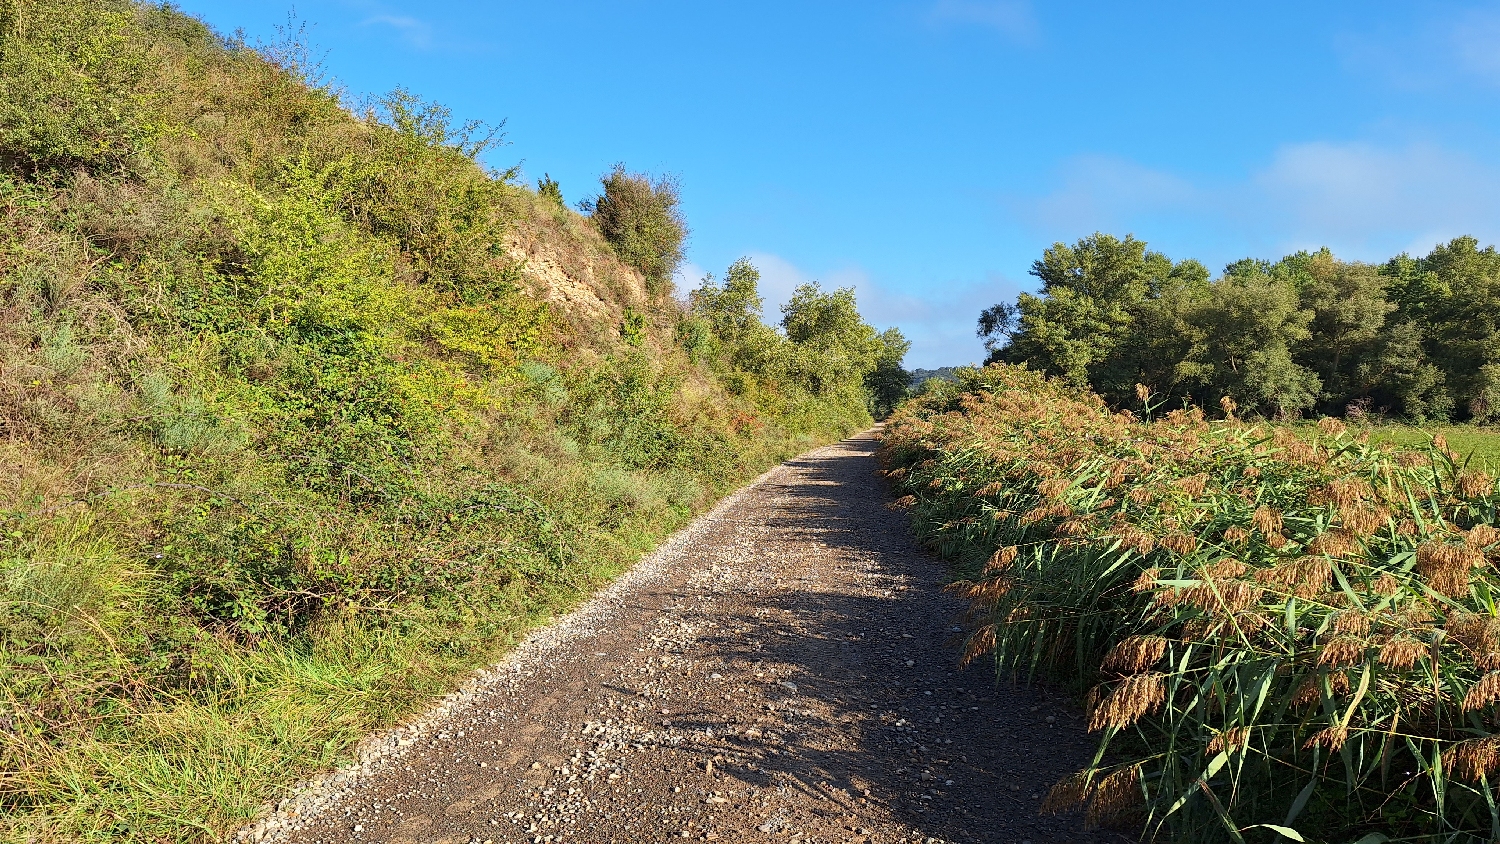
x: 1281, y: 634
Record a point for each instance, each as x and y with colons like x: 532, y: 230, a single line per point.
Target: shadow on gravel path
x: 786, y: 671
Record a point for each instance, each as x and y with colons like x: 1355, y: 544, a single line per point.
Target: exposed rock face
x: 571, y: 266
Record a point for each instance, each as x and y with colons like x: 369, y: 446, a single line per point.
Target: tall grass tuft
x: 1284, y: 634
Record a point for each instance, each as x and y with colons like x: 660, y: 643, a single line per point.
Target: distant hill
x: 920, y: 376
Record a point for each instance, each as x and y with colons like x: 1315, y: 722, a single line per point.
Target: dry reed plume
x: 1295, y: 594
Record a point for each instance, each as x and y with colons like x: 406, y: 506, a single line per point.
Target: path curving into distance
x: 783, y: 670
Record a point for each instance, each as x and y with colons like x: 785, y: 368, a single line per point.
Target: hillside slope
x: 304, y: 413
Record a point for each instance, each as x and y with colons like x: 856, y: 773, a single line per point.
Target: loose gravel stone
x: 782, y: 670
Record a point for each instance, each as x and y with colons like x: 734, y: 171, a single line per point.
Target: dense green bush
x: 641, y: 219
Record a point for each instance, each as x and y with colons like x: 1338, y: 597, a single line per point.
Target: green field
x: 1479, y: 441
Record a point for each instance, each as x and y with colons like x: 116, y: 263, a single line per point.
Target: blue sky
x: 927, y: 151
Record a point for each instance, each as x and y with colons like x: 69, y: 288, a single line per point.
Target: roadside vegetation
x: 304, y: 412
x: 1280, y: 632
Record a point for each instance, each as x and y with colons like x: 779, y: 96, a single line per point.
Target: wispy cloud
x: 1476, y: 39
x: 1014, y: 19
x: 1364, y: 200
x: 1458, y: 47
x: 414, y: 31
x: 1110, y: 189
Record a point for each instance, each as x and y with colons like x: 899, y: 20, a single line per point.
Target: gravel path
x: 783, y: 670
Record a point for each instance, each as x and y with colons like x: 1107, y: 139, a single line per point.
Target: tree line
x: 1412, y: 338
x: 824, y: 360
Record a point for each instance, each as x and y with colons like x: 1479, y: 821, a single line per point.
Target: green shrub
x: 547, y: 188
x: 71, y: 86
x: 641, y: 219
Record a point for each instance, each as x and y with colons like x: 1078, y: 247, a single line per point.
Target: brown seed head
x: 1147, y: 580
x: 1193, y: 485
x: 904, y: 501
x: 1226, y: 567
x: 1228, y: 405
x: 1401, y: 652
x: 1473, y: 483
x: 1231, y: 739
x: 1330, y: 426
x: 980, y: 643
x: 984, y: 593
x: 1180, y: 543
x: 1386, y: 585
x: 1330, y: 738
x: 1134, y: 654
x: 1251, y: 472
x: 1117, y: 794
x: 1071, y: 529
x: 1351, y: 622
x: 1446, y: 567
x: 1478, y: 633
x: 1116, y: 474
x: 1472, y: 759
x: 1044, y: 512
x: 1363, y: 519
x: 1311, y: 690
x: 991, y: 488
x: 1411, y: 459
x: 1276, y: 540
x: 1333, y: 543
x: 1346, y: 492
x: 1483, y: 693
x: 1142, y: 392
x: 1067, y: 795
x: 1053, y: 487
x: 1345, y: 650
x: 1141, y: 495
x: 1266, y: 520
x: 1136, y: 540
x: 1304, y: 577
x: 1482, y: 536
x: 1135, y: 696
x: 1001, y: 559
x: 1235, y: 534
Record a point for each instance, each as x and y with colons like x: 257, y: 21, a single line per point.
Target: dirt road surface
x: 783, y: 670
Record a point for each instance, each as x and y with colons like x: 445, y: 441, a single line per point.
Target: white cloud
x: 1462, y: 46
x: 687, y: 278
x: 1476, y: 39
x: 1012, y: 18
x: 1107, y: 188
x: 1364, y: 200
x: 1361, y: 192
x: 415, y: 32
